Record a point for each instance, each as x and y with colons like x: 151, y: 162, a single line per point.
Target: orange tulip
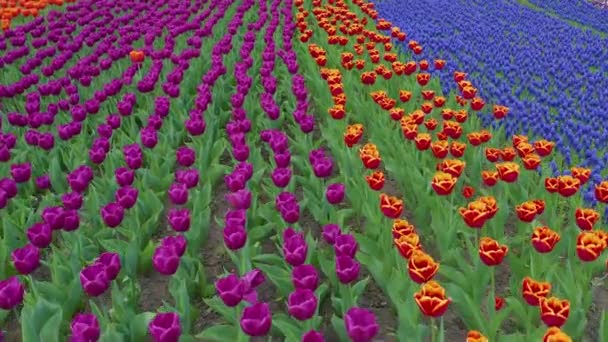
x: 475, y: 214
x: 422, y: 267
x: 508, y: 171
x: 544, y: 239
x: 439, y: 101
x: 554, y: 311
x: 489, y: 178
x: 423, y: 141
x: 508, y: 153
x: 353, y: 134
x: 402, y: 227
x: 492, y: 154
x: 375, y: 180
x: 491, y: 252
x: 518, y: 139
x: 476, y: 336
x: 459, y: 76
x: 554, y: 334
x: 457, y: 149
x: 601, y: 192
x: 428, y: 94
x: 500, y: 111
x: 407, y: 244
x: 391, y: 206
x: 468, y: 191
x: 405, y: 95
x: 589, y: 245
x: 551, y: 184
x: 533, y: 290
x: 491, y: 205
x: 581, y: 173
x: 477, y: 104
x: 526, y: 211
x: 431, y: 299
x: 531, y: 161
x: 443, y: 183
x: 586, y: 218
x: 368, y: 78
x: 461, y: 116
x: 137, y: 56
x: 439, y: 64
x: 567, y: 185
x: 453, y: 167
x: 440, y: 149
x: 474, y: 138
x: 499, y: 302
x: 337, y: 112
x: 423, y: 79
x: 543, y: 147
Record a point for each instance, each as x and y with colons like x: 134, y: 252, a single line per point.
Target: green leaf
x: 219, y: 307
x: 139, y: 326
x: 359, y: 287
x: 41, y: 322
x: 260, y: 232
x: 339, y: 328
x: 270, y: 259
x: 467, y: 308
x: 286, y: 325
x: 280, y: 277
x: 219, y: 333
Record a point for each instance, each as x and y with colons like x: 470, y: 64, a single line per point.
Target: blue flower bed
x: 581, y: 11
x: 553, y: 76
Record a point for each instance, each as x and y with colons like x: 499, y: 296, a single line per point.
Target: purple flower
x: 346, y: 244
x: 111, y: 262
x: 124, y: 176
x: 290, y: 212
x: 54, y: 217
x: 40, y: 235
x: 84, y: 327
x: 281, y: 176
x: 71, y: 201
x: 240, y: 152
x: 235, y: 237
x: 112, y: 214
x: 126, y: 196
x: 302, y: 304
x: 335, y: 193
x: 189, y: 177
x: 305, y: 277
x: 177, y: 243
x: 331, y: 232
x: 246, y: 169
x: 323, y: 168
x: 230, y: 290
x: 165, y: 327
x: 11, y: 293
x: 251, y: 280
x: 282, y: 159
x: 361, y: 325
x: 195, y: 126
x: 256, y: 319
x: 235, y: 181
x: 185, y: 156
x: 236, y: 218
x: 26, y: 259
x: 9, y: 186
x: 347, y: 269
x: 313, y: 336
x: 179, y: 219
x: 21, y: 173
x: 94, y: 279
x: 178, y: 193
x: 295, y: 248
x: 43, y: 182
x: 165, y: 260
x: 71, y: 220
x: 240, y: 199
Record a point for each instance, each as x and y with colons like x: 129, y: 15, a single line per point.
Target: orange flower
x: 474, y: 138
x: 544, y: 239
x: 423, y: 141
x: 581, y: 173
x: 518, y: 139
x: 524, y: 149
x: 499, y: 302
x: 540, y: 206
x: 567, y: 185
x: 531, y: 161
x: 360, y: 63
x: 500, y: 111
x: 439, y: 101
x: 543, y: 147
x: 336, y: 89
x: 422, y: 267
x: 468, y: 191
x: 368, y: 77
x: 533, y: 290
x: 441, y: 136
x: 396, y: 113
x: 375, y: 180
x: 427, y: 107
x: 551, y: 184
x: 402, y: 227
x: 137, y: 56
x: 459, y: 76
x: 391, y: 206
x: 586, y: 218
x: 554, y: 311
x: 410, y: 131
x: 476, y: 336
x: 489, y: 178
x: 405, y: 95
x: 508, y: 171
x: 340, y: 99
x: 431, y: 299
x: 491, y: 205
x: 461, y: 116
x: 410, y: 68
x: 457, y: 149
x: 428, y: 94
x: 451, y: 128
x: 453, y: 167
x: 417, y: 116
x: 439, y: 64
x: 491, y: 252
x: 443, y: 183
x: 439, y: 148
x: 468, y: 92
x: 554, y: 334
x: 337, y: 112
x: 407, y: 244
x: 447, y: 113
x: 589, y: 246
x: 601, y: 192
x: 353, y: 134
x: 475, y: 214
x: 526, y: 211
x: 485, y: 135
x: 477, y: 104
x: 370, y: 156
x: 492, y: 154
x: 508, y: 153
x: 424, y: 64
x: 423, y: 79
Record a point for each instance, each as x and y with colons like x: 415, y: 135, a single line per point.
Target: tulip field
x: 303, y: 170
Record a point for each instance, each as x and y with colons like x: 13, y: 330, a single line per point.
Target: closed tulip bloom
x: 305, y: 277
x: 335, y: 193
x: 240, y: 199
x: 165, y: 327
x: 554, y: 311
x: 11, y: 293
x: 54, y: 217
x: 84, y: 327
x: 176, y: 242
x: 71, y: 200
x: 178, y: 193
x: 347, y: 269
x: 295, y: 248
x: 40, y: 235
x: 112, y: 214
x: 361, y: 325
x: 126, y: 196
x: 26, y: 259
x: 189, y: 177
x: 281, y: 177
x: 9, y: 187
x: 256, y: 320
x: 331, y: 232
x: 302, y: 304
x: 235, y: 237
x: 165, y: 260
x: 555, y: 334
x: 111, y: 261
x: 185, y: 156
x: 533, y: 291
x: 431, y: 299
x: 21, y: 173
x: 71, y: 220
x: 94, y: 279
x: 43, y: 182
x: 124, y: 176
x: 346, y: 244
x: 230, y: 290
x: 179, y: 219
x: 313, y: 336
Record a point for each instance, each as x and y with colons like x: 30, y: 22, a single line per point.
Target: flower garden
x: 303, y: 170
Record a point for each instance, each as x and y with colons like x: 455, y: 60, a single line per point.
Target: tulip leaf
x: 260, y: 232
x: 359, y: 287
x: 603, y: 328
x: 280, y: 277
x: 287, y: 326
x: 139, y: 326
x: 219, y: 307
x: 111, y: 335
x: 270, y: 259
x: 469, y: 310
x: 339, y: 328
x: 41, y: 322
x: 453, y: 275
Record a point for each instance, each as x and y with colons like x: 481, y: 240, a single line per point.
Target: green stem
x: 347, y: 297
x: 433, y: 330
x: 492, y: 290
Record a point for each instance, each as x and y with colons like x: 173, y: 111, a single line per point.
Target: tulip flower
x: 305, y: 277
x: 313, y: 336
x: 84, y: 327
x: 361, y: 325
x: 554, y: 311
x: 94, y: 279
x: 26, y: 259
x: 165, y: 327
x: 112, y: 214
x: 295, y: 248
x: 302, y: 304
x: 335, y: 193
x: 165, y: 260
x: 256, y: 320
x: 230, y: 290
x: 533, y: 291
x: 11, y: 293
x: 431, y: 299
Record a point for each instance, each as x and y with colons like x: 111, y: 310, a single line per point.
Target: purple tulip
x: 165, y: 327
x: 251, y: 280
x: 323, y: 168
x: 235, y: 237
x: 302, y: 304
x: 178, y: 193
x: 240, y: 152
x: 71, y: 201
x: 84, y: 327
x: 245, y: 169
x: 179, y: 219
x: 334, y: 193
x: 236, y: 218
x: 43, y: 182
x: 165, y: 260
x: 126, y: 196
x: 347, y: 269
x: 240, y: 199
x: 256, y: 319
x: 281, y: 177
x: 235, y: 181
x: 9, y: 186
x: 112, y: 214
x: 26, y: 259
x: 313, y: 336
x: 361, y: 325
x: 305, y: 277
x: 40, y: 235
x: 346, y: 244
x: 71, y: 220
x: 195, y: 126
x: 5, y: 154
x: 295, y: 248
x: 290, y: 212
x: 54, y: 217
x: 111, y: 262
x: 21, y: 173
x: 185, y: 156
x: 97, y: 155
x: 282, y: 159
x: 189, y: 177
x: 331, y: 232
x: 11, y: 293
x: 124, y: 176
x: 94, y: 279
x: 230, y: 290
x: 177, y: 243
